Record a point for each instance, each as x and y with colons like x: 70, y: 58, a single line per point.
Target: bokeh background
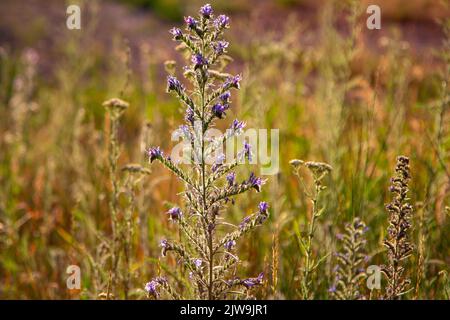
x: 339, y: 93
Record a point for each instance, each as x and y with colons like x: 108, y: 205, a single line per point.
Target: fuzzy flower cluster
x: 207, y: 249
x: 398, y: 241
x: 349, y: 271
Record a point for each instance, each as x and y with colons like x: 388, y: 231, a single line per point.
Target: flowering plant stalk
x: 350, y: 272
x: 123, y: 224
x: 397, y: 241
x: 207, y: 246
x: 115, y: 108
x: 319, y: 171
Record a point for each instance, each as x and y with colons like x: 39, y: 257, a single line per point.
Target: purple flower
x: 190, y: 22
x: 237, y: 126
x: 164, y: 244
x: 175, y: 213
x: 220, y: 47
x: 154, y: 153
x: 248, y: 283
x: 173, y: 84
x: 221, y: 21
x: 255, y: 182
x: 198, y: 263
x: 206, y: 11
x: 251, y: 282
x: 230, y: 178
x: 219, y: 161
x: 199, y: 60
x: 225, y: 97
x: 233, y: 82
x: 183, y: 132
x: 230, y: 282
x: 340, y: 236
x: 263, y: 213
x: 229, y: 244
x: 393, y: 189
x: 332, y: 289
x: 219, y: 110
x: 189, y: 116
x: 176, y: 32
x: 151, y: 288
x: 220, y: 158
x: 248, y: 151
x: 263, y: 207
x: 244, y: 222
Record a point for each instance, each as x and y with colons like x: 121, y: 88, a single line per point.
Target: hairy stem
x: 113, y: 156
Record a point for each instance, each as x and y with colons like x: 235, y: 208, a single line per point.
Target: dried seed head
x: 296, y: 163
x: 116, y: 104
x: 318, y: 167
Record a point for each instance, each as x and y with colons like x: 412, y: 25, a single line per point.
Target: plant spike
x: 207, y: 249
